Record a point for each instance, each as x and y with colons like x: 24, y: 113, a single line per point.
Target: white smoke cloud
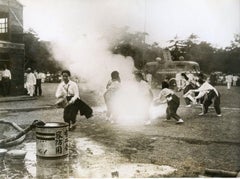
x: 89, y: 58
x: 80, y: 41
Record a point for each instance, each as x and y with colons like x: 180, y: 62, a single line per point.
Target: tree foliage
x: 134, y: 45
x: 209, y: 58
x: 38, y: 54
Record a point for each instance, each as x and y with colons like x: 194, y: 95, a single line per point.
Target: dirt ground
x: 201, y: 142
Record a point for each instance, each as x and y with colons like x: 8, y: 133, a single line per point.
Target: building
x: 11, y: 43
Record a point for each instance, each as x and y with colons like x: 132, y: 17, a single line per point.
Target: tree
x: 232, y: 60
x: 177, y: 48
x: 38, y: 54
x: 134, y: 45
x: 209, y: 58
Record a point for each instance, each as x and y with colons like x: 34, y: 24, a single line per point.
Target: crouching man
x: 68, y: 92
x: 208, y: 95
x: 168, y: 96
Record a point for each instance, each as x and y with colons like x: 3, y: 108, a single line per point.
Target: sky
x: 214, y: 21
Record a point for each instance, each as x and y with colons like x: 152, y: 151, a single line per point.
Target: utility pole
x: 145, y: 19
x: 144, y: 32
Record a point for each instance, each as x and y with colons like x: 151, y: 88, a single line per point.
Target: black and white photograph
x: 119, y: 89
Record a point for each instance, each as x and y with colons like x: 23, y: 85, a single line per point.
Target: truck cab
x: 163, y: 67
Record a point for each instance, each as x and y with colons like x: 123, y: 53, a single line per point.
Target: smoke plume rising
x: 82, y: 43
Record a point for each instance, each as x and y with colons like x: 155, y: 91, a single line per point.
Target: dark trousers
x: 71, y: 111
x: 6, y: 83
x: 172, y: 108
x: 38, y: 87
x: 210, y: 98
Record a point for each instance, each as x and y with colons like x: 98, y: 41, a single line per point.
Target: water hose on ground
x: 19, y: 138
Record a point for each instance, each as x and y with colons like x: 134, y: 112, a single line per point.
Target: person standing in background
x: 146, y: 98
x: 110, y: 95
x: 6, y: 81
x: 180, y: 81
x: 149, y: 78
x: 30, y: 82
x: 235, y: 79
x: 38, y: 86
x: 229, y: 79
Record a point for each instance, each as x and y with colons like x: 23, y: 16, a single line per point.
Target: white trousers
x: 228, y: 85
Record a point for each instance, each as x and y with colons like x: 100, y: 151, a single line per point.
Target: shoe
x: 219, y: 115
x: 188, y: 106
x: 89, y: 116
x: 201, y: 114
x: 180, y: 121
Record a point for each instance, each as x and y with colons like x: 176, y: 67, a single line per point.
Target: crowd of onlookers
x: 215, y: 78
x: 230, y: 79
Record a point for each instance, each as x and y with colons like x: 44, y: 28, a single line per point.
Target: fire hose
x: 17, y: 139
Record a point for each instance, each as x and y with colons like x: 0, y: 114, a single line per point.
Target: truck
x: 164, y: 67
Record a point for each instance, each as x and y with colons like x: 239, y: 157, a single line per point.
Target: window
x: 3, y: 25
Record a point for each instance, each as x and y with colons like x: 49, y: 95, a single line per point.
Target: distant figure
x: 235, y: 79
x: 165, y: 83
x: 190, y: 84
x: 168, y: 96
x: 110, y: 94
x: 149, y: 78
x: 68, y: 93
x: 38, y: 86
x: 146, y: 94
x: 48, y: 76
x: 30, y: 82
x: 43, y: 76
x: 180, y: 81
x: 229, y: 80
x: 6, y: 81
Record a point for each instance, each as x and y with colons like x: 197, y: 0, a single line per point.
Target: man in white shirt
x: 235, y: 79
x: 6, y: 81
x: 229, y: 79
x: 207, y: 94
x: 30, y: 82
x: 68, y: 91
x: 38, y: 86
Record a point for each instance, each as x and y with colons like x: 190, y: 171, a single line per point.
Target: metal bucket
x: 52, y: 140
